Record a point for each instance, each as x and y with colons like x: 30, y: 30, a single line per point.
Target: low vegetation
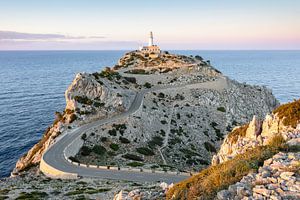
x: 236, y: 133
x: 290, y: 113
x: 124, y: 140
x: 221, y: 109
x: 218, y: 131
x: 147, y: 85
x: 114, y: 146
x: 83, y: 100
x: 209, y: 181
x: 133, y: 157
x: 145, y: 151
x: 35, y: 195
x: 209, y: 147
x: 109, y: 74
x: 99, y: 150
x: 155, y: 141
x: 73, y: 159
x: 135, y: 164
x: 85, y: 151
x: 137, y: 71
x: 87, y: 191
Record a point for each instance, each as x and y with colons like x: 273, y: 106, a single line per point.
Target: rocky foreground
x: 180, y: 126
x: 259, y: 160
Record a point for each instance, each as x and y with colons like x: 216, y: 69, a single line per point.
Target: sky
x: 125, y: 24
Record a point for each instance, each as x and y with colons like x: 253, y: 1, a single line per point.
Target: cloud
x: 67, y: 45
x: 19, y: 36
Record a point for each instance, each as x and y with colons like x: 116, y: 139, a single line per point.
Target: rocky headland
x: 191, y: 116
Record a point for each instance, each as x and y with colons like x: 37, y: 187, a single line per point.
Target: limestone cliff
x: 88, y: 97
x: 259, y: 160
x: 279, y: 176
x: 256, y: 133
x: 196, y: 105
x: 181, y: 123
x: 33, y: 156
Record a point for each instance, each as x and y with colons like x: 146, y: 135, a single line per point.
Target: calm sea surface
x: 32, y: 85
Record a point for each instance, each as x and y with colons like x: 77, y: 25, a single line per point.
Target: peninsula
x: 153, y: 117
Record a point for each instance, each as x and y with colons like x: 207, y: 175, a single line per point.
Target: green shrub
x: 209, y: 147
x: 98, y: 149
x: 189, y: 153
x: 133, y: 157
x: 137, y: 71
x: 87, y: 191
x: 109, y: 74
x: 155, y: 141
x: 114, y: 146
x: 85, y: 151
x: 145, y: 151
x: 147, y: 85
x: 161, y: 95
x: 218, y: 131
x: 112, y: 132
x: 175, y: 140
x: 130, y: 79
x: 103, y: 139
x: 98, y: 104
x: 83, y: 100
x: 83, y: 136
x: 221, y: 109
x: 163, y: 122
x: 73, y: 159
x: 162, y: 132
x: 35, y: 195
x: 135, y: 164
x: 124, y: 140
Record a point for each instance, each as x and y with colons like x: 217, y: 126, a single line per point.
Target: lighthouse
x: 150, y: 39
x: 151, y: 48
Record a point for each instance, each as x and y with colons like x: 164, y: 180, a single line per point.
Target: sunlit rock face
x: 258, y: 132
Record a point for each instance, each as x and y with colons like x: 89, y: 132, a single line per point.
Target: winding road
x: 54, y: 156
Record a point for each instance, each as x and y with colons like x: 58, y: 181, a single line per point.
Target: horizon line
x: 162, y: 50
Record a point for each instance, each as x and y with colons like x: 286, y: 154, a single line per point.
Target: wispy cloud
x: 19, y: 36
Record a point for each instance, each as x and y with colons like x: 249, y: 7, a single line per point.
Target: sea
x: 32, y: 86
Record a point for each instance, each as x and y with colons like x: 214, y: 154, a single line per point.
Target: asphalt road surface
x: 54, y: 156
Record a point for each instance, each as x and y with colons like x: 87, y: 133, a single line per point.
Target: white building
x: 151, y: 48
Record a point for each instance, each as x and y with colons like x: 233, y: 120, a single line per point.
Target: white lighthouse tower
x: 150, y: 39
x: 151, y: 48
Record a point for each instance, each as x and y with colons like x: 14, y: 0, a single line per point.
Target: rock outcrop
x: 33, y: 156
x: 93, y: 96
x: 89, y: 97
x: 277, y: 179
x: 256, y: 133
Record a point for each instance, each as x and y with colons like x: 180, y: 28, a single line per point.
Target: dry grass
x: 208, y: 182
x: 234, y: 135
x: 290, y: 113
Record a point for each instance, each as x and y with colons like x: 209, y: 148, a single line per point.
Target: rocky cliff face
x: 168, y: 127
x: 94, y: 96
x: 279, y: 177
x: 256, y: 133
x: 259, y: 160
x: 89, y: 97
x: 176, y: 127
x: 33, y: 156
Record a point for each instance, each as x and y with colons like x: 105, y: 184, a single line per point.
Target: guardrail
x: 129, y: 169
